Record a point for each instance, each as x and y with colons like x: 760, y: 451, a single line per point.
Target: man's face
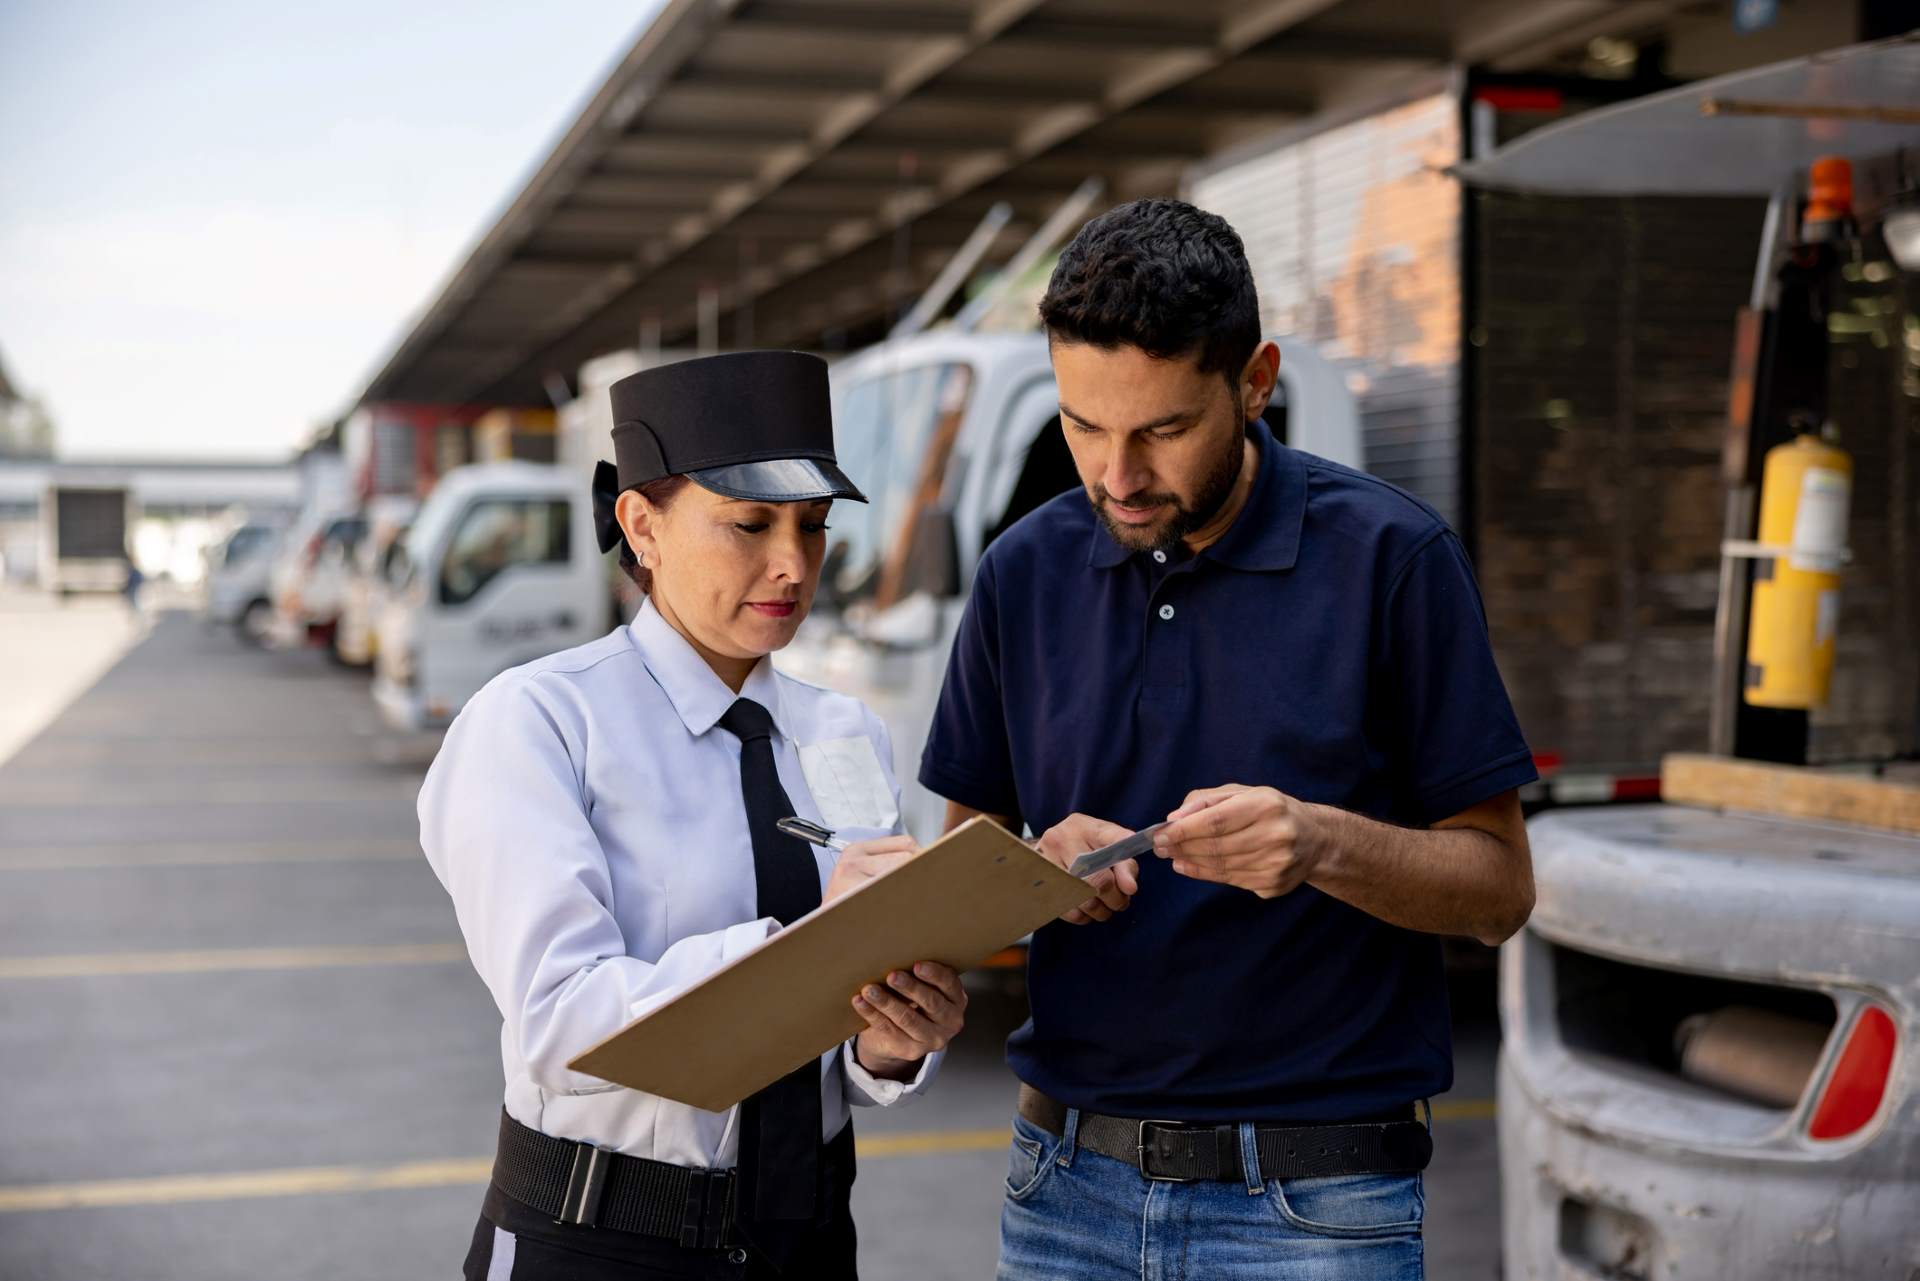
x: 1157, y: 443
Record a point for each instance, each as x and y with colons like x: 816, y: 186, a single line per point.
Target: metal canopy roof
x: 771, y: 151
x: 1736, y: 135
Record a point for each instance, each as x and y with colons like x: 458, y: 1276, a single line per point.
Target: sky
x: 217, y: 218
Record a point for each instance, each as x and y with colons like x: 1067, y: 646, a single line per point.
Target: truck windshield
x: 883, y: 429
x: 497, y: 534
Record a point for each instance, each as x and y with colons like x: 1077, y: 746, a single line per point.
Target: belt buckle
x: 586, y: 1185
x: 1142, y: 1147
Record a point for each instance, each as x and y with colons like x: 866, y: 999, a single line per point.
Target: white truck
x: 499, y: 568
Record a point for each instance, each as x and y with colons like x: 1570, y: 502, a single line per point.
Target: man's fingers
x: 1127, y: 876
x: 1205, y: 798
x: 1213, y: 823
x: 1200, y: 871
x: 1245, y: 843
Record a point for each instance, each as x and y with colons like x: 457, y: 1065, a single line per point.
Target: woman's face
x: 734, y: 576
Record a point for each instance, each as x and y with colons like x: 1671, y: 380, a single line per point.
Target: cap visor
x: 779, y: 480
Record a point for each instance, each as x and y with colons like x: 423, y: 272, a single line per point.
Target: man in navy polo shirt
x: 1288, y: 660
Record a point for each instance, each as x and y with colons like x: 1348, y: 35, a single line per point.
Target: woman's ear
x: 637, y: 516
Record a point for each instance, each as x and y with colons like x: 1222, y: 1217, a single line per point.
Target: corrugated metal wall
x: 1354, y: 239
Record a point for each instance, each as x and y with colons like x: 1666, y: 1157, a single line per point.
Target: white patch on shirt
x: 848, y: 784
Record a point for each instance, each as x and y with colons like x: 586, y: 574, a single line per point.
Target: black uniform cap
x: 749, y: 424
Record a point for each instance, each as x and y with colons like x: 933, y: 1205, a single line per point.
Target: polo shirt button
x: 1166, y: 612
x: 1160, y: 556
x: 737, y: 1256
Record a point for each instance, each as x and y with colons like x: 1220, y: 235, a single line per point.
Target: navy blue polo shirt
x: 1332, y: 645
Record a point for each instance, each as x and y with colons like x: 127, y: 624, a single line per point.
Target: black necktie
x: 779, y: 1126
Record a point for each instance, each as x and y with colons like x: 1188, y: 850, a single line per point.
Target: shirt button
x: 737, y: 1256
x: 1166, y: 612
x: 1160, y: 556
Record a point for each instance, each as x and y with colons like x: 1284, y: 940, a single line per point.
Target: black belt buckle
x: 586, y: 1185
x: 703, y: 1220
x: 1144, y: 1146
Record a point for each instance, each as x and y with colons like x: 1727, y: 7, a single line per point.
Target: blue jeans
x: 1076, y: 1214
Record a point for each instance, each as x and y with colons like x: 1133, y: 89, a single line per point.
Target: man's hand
x: 864, y: 860
x: 1114, y: 888
x: 1255, y: 838
x: 908, y: 1019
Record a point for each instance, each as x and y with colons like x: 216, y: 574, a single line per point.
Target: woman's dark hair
x: 1162, y: 276
x: 660, y: 493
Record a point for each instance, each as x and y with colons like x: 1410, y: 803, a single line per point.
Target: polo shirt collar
x: 697, y: 693
x: 1266, y: 533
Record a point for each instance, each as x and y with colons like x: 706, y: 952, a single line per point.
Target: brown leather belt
x: 1182, y: 1152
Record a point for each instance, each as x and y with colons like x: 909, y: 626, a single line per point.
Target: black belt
x: 1181, y: 1152
x: 582, y: 1185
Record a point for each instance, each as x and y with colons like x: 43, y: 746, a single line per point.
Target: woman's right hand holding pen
x: 862, y: 861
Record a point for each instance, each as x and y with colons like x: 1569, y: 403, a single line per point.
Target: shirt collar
x: 695, y: 690
x: 1266, y: 533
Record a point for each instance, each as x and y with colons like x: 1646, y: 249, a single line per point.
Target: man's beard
x: 1215, y: 488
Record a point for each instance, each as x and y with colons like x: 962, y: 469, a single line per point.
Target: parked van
x: 239, y: 580
x: 954, y: 436
x: 309, y: 574
x: 499, y: 568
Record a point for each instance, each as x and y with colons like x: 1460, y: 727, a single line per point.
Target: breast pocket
x: 849, y: 787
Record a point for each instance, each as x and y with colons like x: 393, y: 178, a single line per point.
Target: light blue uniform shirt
x: 584, y: 813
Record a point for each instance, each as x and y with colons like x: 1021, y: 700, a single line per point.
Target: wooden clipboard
x: 960, y: 900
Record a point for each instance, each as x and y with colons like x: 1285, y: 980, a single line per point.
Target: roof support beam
x: 1246, y: 26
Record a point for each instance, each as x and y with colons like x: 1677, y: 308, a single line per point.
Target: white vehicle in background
x: 309, y: 575
x: 954, y: 436
x: 239, y: 580
x: 368, y: 585
x: 500, y: 568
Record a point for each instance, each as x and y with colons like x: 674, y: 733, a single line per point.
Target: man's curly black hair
x: 1162, y: 276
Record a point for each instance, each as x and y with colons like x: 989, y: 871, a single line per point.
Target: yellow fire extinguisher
x: 1805, y: 488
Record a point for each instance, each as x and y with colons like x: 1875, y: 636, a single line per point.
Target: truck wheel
x: 256, y: 621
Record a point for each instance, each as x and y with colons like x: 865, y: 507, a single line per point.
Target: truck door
x: 505, y: 590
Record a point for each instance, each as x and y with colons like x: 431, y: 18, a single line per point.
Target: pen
x: 811, y: 832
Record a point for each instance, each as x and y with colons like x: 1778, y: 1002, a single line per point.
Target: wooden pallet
x: 1790, y: 791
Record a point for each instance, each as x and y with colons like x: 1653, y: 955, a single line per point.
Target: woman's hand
x: 861, y: 861
x: 910, y: 1017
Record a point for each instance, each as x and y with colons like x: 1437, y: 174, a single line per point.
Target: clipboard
x: 972, y: 892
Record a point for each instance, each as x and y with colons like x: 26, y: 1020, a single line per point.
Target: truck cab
x: 499, y: 568
x: 954, y: 436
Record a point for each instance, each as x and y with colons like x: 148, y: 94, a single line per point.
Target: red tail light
x: 1859, y: 1079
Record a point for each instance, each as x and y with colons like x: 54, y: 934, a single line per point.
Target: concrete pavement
x: 239, y: 1037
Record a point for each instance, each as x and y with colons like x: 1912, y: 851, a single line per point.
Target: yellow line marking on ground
x: 1463, y: 1110
x: 228, y: 1187
x: 322, y: 1179
x: 929, y: 1142
x: 200, y: 795
x: 41, y: 858
x: 100, y: 964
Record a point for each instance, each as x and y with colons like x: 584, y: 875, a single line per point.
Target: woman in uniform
x: 604, y: 820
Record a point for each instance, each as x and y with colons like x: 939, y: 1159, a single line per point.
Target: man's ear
x: 1258, y: 378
